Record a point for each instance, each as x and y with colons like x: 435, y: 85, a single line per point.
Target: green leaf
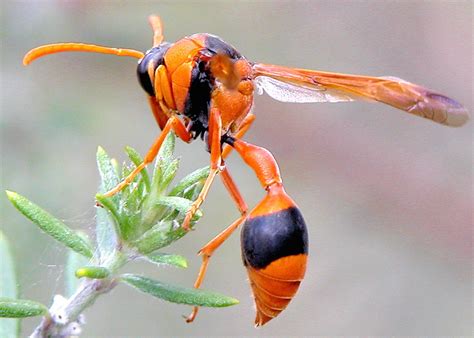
x: 108, y: 203
x: 182, y: 205
x: 108, y: 173
x: 20, y: 308
x: 193, y: 192
x: 167, y: 148
x: 169, y: 173
x: 190, y: 180
x: 163, y: 160
x: 8, y: 287
x: 94, y: 272
x: 51, y: 225
x: 73, y: 262
x: 137, y: 160
x: 116, y: 167
x: 168, y: 259
x: 164, y: 171
x: 135, y: 192
x: 106, y: 235
x: 161, y: 235
x: 168, y: 229
x: 177, y: 294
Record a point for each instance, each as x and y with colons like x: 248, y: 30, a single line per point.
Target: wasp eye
x: 155, y: 57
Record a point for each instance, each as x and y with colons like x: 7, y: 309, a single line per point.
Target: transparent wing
x: 288, y: 92
x: 302, y: 85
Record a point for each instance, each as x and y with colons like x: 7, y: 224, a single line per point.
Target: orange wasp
x: 202, y: 87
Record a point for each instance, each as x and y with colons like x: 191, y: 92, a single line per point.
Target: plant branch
x: 65, y: 314
x: 136, y: 223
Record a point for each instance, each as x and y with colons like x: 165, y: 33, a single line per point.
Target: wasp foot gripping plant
x: 136, y: 223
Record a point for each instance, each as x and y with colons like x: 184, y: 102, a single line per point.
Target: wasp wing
x: 289, y: 92
x: 302, y: 85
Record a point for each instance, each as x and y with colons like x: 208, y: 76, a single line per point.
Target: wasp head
x: 148, y: 64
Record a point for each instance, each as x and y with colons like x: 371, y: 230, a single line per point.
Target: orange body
x: 275, y: 250
x: 200, y: 86
x: 187, y: 77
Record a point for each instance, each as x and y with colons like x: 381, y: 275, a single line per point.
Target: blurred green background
x: 386, y: 196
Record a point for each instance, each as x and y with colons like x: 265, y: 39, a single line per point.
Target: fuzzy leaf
x: 8, y: 287
x: 94, y: 272
x: 193, y: 192
x: 106, y: 235
x: 179, y: 204
x: 108, y: 173
x: 163, y: 160
x: 116, y: 167
x: 168, y: 259
x: 169, y: 173
x: 161, y: 235
x: 167, y: 148
x: 189, y: 180
x: 108, y: 170
x: 178, y: 294
x: 137, y: 160
x: 20, y: 308
x: 50, y: 225
x: 108, y: 203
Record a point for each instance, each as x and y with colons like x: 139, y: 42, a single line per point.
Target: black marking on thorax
x: 199, y: 98
x: 202, y: 84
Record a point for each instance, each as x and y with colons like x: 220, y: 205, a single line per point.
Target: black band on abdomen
x: 267, y: 238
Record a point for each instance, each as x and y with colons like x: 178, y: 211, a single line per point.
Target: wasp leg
x: 173, y: 124
x: 244, y: 127
x: 215, y: 128
x: 160, y: 117
x: 208, y: 249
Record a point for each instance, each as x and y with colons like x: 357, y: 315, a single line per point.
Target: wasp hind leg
x: 207, y: 250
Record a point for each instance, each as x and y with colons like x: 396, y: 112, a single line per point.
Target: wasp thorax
x: 148, y: 64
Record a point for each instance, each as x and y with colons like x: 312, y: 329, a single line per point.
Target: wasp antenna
x: 157, y: 27
x: 77, y: 47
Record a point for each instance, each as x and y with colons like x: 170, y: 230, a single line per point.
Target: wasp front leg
x: 160, y: 117
x: 215, y: 130
x: 172, y: 124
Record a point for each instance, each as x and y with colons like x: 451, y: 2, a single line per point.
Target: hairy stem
x: 63, y: 319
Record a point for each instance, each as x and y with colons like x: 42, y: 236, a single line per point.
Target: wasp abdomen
x: 274, y: 251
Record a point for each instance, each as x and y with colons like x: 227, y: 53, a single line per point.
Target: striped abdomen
x: 274, y: 250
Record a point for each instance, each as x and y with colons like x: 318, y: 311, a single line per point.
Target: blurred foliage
x: 139, y: 220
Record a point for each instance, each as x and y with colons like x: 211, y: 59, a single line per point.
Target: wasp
x: 202, y: 87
